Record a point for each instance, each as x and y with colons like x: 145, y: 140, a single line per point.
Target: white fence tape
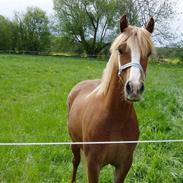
x: 88, y: 143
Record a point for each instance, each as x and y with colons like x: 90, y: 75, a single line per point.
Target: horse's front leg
x: 93, y: 170
x: 122, y: 170
x: 93, y: 159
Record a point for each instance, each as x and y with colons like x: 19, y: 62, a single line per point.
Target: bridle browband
x: 125, y: 66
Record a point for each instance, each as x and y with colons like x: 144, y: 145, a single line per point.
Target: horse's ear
x: 123, y: 23
x: 150, y: 25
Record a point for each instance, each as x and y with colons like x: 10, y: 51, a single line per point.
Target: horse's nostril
x: 129, y: 87
x: 141, y: 90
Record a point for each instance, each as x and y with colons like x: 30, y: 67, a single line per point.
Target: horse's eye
x: 120, y: 51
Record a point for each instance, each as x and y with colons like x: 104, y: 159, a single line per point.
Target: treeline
x: 162, y: 54
x: 81, y: 26
x: 26, y: 32
x: 32, y: 32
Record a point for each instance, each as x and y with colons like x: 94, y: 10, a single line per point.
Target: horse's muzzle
x: 134, y: 90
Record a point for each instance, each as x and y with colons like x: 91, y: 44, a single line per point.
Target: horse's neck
x: 114, y: 98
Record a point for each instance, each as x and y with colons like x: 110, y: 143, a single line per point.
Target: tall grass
x: 33, y: 92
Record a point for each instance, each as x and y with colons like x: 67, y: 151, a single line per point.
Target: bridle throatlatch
x: 125, y: 66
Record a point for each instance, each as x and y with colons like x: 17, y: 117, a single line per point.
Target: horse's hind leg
x: 75, y: 160
x: 121, y: 172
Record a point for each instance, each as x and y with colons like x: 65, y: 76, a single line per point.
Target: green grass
x: 33, y: 92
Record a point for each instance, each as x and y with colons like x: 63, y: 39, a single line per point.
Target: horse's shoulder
x: 82, y: 87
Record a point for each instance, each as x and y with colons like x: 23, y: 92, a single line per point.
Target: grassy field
x: 33, y: 92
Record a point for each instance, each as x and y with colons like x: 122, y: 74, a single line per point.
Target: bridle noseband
x: 125, y: 66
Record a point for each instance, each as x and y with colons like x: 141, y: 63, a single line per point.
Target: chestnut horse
x: 102, y: 110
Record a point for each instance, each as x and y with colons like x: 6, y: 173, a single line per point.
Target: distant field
x: 33, y: 92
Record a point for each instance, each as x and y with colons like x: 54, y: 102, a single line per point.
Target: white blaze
x: 135, y: 72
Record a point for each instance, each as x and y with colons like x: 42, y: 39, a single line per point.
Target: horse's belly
x: 118, y: 153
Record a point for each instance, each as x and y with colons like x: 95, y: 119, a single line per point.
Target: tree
x: 92, y: 23
x: 163, y: 12
x: 129, y: 8
x: 5, y: 34
x: 19, y: 32
x: 37, y: 31
x: 32, y: 30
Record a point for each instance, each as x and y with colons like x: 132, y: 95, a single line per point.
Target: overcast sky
x: 8, y: 8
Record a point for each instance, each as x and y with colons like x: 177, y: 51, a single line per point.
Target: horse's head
x: 134, y: 46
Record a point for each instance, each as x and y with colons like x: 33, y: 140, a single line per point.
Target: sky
x: 178, y: 22
x: 9, y: 7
